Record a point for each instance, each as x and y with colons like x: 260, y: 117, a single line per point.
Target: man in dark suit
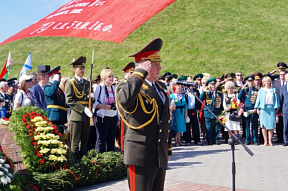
x: 37, y: 90
x: 193, y: 109
x: 55, y: 99
x: 143, y: 105
x: 284, y: 110
x: 77, y: 98
x: 277, y: 84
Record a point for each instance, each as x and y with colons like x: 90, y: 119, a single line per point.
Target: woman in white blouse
x: 22, y: 96
x: 267, y: 104
x: 107, y: 118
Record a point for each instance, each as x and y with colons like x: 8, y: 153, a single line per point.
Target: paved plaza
x: 206, y: 167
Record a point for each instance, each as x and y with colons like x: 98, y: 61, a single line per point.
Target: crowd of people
x: 247, y: 104
x: 143, y: 112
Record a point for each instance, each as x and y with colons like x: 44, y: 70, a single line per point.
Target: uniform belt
x: 83, y: 102
x: 57, y: 106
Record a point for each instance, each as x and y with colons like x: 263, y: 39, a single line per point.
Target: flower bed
x: 47, y: 157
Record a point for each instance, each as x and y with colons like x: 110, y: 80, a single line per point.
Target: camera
x: 113, y: 106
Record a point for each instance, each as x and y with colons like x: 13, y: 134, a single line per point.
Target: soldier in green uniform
x: 55, y: 99
x: 77, y: 97
x: 143, y: 104
x: 214, y: 101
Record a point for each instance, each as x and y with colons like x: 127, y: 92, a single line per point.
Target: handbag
x: 233, y: 116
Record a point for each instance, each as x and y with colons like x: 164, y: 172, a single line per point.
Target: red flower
x: 29, y: 130
x: 56, y: 168
x: 45, y: 118
x: 25, y: 122
x: 64, y: 167
x: 32, y: 138
x: 234, y: 100
x: 52, y: 165
x: 32, y: 117
x: 27, y: 126
x: 49, y: 122
x: 31, y: 134
x: 55, y: 127
x: 60, y: 134
x: 39, y: 155
x: 34, y: 143
x: 37, y: 152
x: 33, y: 113
x: 41, y: 161
x: 55, y: 131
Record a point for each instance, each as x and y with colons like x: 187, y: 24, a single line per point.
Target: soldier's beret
x: 211, y: 80
x: 54, y: 71
x: 150, y: 51
x: 198, y: 76
x: 281, y: 65
x: 129, y: 67
x: 257, y: 75
x: 249, y: 78
x: 230, y: 76
x: 12, y: 82
x: 167, y: 74
x: 3, y: 80
x: 172, y: 76
x: 182, y: 77
x: 79, y: 62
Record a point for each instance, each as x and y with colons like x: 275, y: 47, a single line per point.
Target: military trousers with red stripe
x: 146, y: 178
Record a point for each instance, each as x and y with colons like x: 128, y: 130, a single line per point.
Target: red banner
x: 109, y: 20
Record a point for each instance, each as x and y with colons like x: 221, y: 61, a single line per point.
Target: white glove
x: 56, y: 77
x: 88, y: 112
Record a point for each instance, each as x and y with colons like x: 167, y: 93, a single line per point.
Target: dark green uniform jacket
x: 147, y: 133
x: 77, y: 97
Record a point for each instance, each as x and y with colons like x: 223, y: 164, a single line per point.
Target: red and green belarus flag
x: 6, y: 67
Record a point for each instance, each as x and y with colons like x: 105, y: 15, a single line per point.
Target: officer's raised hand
x: 145, y: 65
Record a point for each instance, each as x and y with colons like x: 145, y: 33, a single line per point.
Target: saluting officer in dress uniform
x: 248, y: 95
x: 214, y: 101
x: 55, y: 99
x: 77, y: 97
x: 143, y: 104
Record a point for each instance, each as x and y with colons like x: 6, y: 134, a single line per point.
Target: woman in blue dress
x: 267, y: 104
x: 179, y: 114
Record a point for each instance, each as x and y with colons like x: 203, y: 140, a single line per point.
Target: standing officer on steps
x: 77, y: 96
x: 55, y: 99
x: 143, y: 104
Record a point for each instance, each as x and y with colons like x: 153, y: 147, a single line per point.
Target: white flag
x: 27, y: 65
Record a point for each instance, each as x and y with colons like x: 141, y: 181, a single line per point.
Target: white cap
x: 25, y: 77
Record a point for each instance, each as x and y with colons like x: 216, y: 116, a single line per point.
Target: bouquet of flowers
x: 5, y: 171
x: 247, y: 113
x: 42, y: 149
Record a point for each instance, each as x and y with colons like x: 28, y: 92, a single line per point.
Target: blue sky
x: 16, y: 15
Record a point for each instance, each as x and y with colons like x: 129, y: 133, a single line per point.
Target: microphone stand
x: 231, y: 140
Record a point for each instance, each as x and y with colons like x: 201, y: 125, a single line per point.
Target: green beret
x: 212, y: 80
x: 198, y: 76
x: 182, y: 78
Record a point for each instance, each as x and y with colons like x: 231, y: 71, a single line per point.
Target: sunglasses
x: 29, y: 80
x: 239, y: 75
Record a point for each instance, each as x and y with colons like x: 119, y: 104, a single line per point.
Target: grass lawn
x: 214, y: 36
